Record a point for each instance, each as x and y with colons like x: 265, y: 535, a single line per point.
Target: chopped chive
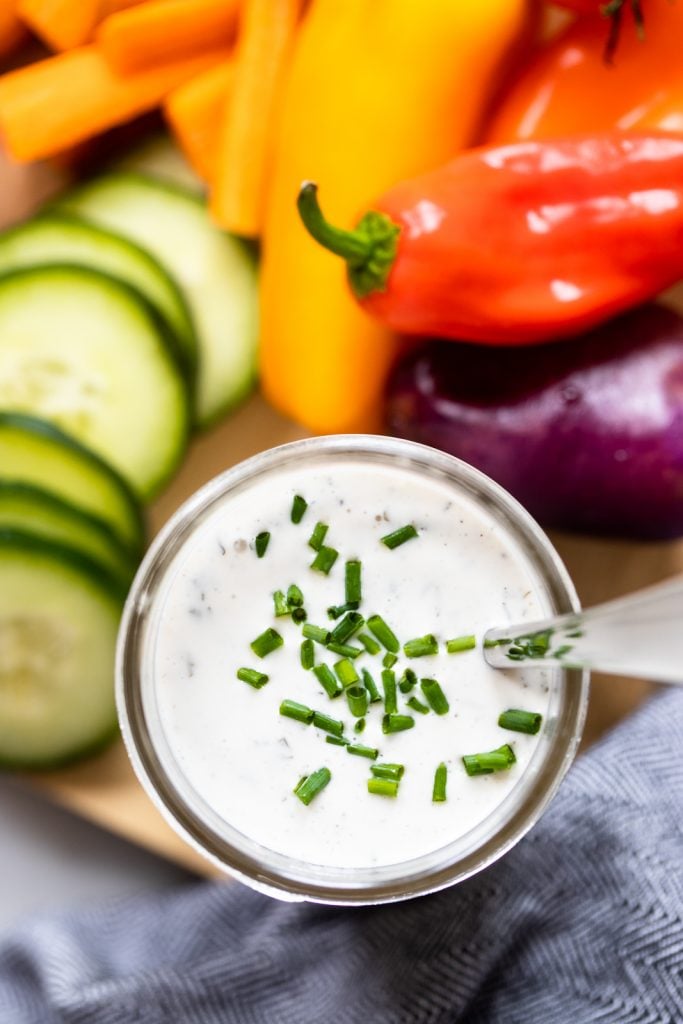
x: 352, y: 584
x: 435, y: 696
x: 346, y: 650
x: 421, y: 646
x: 294, y: 596
x: 335, y: 611
x: 267, y: 642
x: 563, y: 651
x: 299, y: 615
x: 337, y: 741
x: 381, y: 631
x: 416, y: 704
x: 520, y: 721
x: 389, y: 687
x: 398, y: 537
x: 359, y: 726
x: 439, y: 790
x: 299, y: 506
x: 349, y: 625
x: 253, y: 677
x: 461, y: 643
x: 280, y: 602
x: 307, y: 654
x: 389, y: 660
x: 492, y: 761
x: 360, y: 751
x: 327, y: 680
x: 397, y: 723
x: 317, y: 633
x: 383, y: 787
x: 327, y: 724
x: 407, y: 681
x: 346, y: 673
x: 324, y: 560
x: 575, y: 634
x: 316, y: 539
x: 388, y: 771
x: 371, y: 687
x: 299, y: 712
x: 370, y: 645
x: 309, y: 787
x: 488, y: 643
x: 261, y: 543
x: 532, y: 645
x: 357, y: 699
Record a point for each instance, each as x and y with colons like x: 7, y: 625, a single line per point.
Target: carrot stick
x: 62, y: 24
x: 245, y: 148
x: 195, y: 113
x: 163, y: 30
x: 48, y: 106
x: 11, y: 28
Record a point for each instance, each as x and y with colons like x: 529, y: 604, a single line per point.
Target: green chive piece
x: 357, y: 699
x: 400, y: 536
x: 267, y: 642
x: 307, y: 654
x: 492, y: 761
x: 349, y: 625
x: 418, y: 706
x: 299, y: 506
x: 435, y: 696
x: 316, y: 539
x: 345, y: 672
x: 397, y: 723
x: 335, y: 611
x: 253, y: 677
x: 520, y: 721
x: 360, y: 751
x: 383, y: 787
x: 299, y: 712
x: 327, y: 724
x: 299, y: 615
x: 497, y: 643
x: 261, y: 543
x: 317, y: 633
x: 533, y: 645
x: 352, y: 584
x: 379, y: 629
x: 337, y: 741
x: 324, y: 560
x: 563, y: 651
x: 280, y: 602
x: 359, y: 726
x: 389, y: 660
x: 327, y: 680
x: 309, y: 787
x: 346, y: 650
x: 407, y: 681
x: 421, y: 646
x: 294, y: 596
x: 370, y: 645
x: 388, y: 771
x: 439, y: 790
x: 389, y: 687
x: 461, y: 643
x: 371, y: 687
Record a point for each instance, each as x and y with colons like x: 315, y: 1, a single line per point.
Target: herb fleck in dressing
x: 407, y: 574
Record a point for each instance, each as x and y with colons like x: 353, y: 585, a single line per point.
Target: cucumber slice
x: 59, y: 615
x: 60, y: 238
x: 34, y: 452
x: 216, y: 271
x: 35, y: 511
x: 87, y: 352
x: 161, y: 158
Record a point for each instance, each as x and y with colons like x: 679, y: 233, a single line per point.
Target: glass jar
x: 267, y: 870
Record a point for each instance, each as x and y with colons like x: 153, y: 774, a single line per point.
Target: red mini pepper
x: 519, y: 243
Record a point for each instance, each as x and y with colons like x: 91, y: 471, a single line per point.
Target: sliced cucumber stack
x: 36, y: 453
x: 88, y: 353
x: 216, y: 272
x: 59, y: 615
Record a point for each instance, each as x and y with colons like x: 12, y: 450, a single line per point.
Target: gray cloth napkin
x: 581, y: 922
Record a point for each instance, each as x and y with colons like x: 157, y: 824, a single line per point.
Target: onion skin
x: 587, y: 433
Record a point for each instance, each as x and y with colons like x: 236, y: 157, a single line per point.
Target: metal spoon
x: 639, y: 635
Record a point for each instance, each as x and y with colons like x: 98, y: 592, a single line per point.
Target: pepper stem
x: 369, y: 250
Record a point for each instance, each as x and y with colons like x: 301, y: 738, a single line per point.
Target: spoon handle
x: 639, y: 635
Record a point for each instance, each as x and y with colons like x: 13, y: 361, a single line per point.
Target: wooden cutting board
x: 104, y: 789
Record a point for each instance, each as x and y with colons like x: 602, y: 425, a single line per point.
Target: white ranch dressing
x: 462, y: 575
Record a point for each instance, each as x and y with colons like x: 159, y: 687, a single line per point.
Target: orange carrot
x: 48, y: 106
x: 11, y: 28
x: 266, y: 35
x: 164, y: 30
x: 62, y: 24
x: 108, y: 7
x: 195, y: 113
